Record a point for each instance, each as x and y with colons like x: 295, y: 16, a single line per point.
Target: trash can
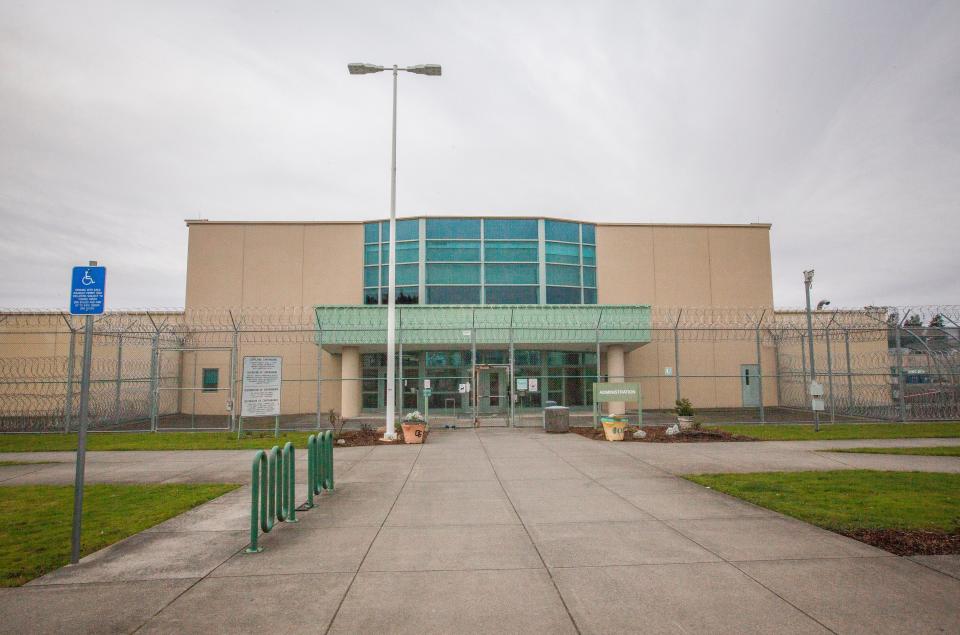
x: 556, y: 419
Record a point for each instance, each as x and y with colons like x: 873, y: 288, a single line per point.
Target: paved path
x: 493, y: 531
x: 202, y: 466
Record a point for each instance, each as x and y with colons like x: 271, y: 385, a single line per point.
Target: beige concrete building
x: 517, y: 261
x: 497, y: 317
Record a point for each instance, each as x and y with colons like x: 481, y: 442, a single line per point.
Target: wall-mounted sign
x: 521, y: 383
x: 606, y: 392
x: 262, y: 377
x: 463, y: 388
x: 668, y: 371
x: 532, y: 384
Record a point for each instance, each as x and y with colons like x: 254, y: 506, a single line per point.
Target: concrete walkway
x: 493, y: 531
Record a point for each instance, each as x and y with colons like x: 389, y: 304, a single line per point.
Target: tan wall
x: 254, y: 265
x: 689, y: 266
x: 274, y: 264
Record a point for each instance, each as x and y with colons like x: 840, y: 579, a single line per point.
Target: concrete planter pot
x: 613, y: 428
x: 685, y: 423
x: 414, y: 432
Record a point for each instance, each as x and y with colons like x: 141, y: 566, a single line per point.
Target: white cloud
x: 837, y: 122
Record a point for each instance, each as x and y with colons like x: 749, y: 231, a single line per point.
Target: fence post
x: 803, y: 362
x: 776, y: 355
x: 320, y: 382
x: 71, y: 362
x: 902, y: 406
x: 116, y: 398
x: 234, y: 352
x: 676, y: 355
x: 833, y: 408
x: 512, y: 391
x: 154, y: 382
x: 397, y: 394
x: 763, y: 418
x: 846, y: 343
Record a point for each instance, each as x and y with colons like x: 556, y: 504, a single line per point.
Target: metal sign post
x: 606, y: 392
x: 86, y: 298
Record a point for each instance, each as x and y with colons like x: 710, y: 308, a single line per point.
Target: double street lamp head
x: 359, y: 68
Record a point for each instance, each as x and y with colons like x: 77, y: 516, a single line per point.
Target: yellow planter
x: 613, y: 429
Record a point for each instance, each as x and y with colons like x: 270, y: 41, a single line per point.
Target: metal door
x: 492, y: 390
x: 750, y: 385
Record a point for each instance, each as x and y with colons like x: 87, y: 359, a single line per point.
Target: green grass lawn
x: 940, y: 450
x: 150, y: 441
x: 835, y: 431
x: 35, y: 520
x: 848, y: 500
x: 9, y: 463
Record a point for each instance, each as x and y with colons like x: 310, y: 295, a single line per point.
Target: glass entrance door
x: 492, y: 390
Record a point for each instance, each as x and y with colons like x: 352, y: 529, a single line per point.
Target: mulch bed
x: 658, y: 434
x: 909, y: 543
x: 357, y: 438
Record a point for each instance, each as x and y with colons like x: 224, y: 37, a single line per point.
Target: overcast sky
x: 838, y: 122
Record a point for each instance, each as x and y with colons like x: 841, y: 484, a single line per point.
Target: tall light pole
x: 421, y: 69
x: 807, y: 283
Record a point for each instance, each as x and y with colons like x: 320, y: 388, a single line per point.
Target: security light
x: 420, y: 69
x: 359, y: 68
x: 424, y: 69
x: 822, y: 303
x: 808, y: 276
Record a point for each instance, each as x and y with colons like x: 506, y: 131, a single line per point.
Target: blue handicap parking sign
x: 87, y: 290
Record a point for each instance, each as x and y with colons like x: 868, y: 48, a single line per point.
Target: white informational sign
x: 521, y: 383
x: 464, y: 388
x: 532, y: 384
x: 668, y: 371
x: 816, y: 389
x: 261, y: 387
x: 426, y: 384
x: 818, y: 405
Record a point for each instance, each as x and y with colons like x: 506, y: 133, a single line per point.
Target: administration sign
x: 261, y: 387
x: 608, y: 391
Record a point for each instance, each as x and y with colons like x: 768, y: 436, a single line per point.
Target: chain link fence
x: 182, y: 370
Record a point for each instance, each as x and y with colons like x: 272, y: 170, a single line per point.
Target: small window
x: 405, y: 295
x: 453, y: 251
x: 406, y: 252
x: 562, y: 230
x: 211, y: 379
x: 565, y: 254
x: 509, y: 229
x: 563, y: 295
x: 512, y: 295
x: 442, y: 273
x: 453, y: 228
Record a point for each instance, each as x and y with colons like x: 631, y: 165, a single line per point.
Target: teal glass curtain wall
x: 483, y: 261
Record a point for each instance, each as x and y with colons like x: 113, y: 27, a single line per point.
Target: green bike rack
x: 271, y: 491
x: 319, y: 464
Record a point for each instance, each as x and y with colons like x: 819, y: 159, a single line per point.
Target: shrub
x: 683, y: 408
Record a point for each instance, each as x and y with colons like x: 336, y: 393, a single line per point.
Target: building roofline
x: 204, y: 221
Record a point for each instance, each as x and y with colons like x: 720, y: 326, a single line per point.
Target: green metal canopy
x: 434, y: 326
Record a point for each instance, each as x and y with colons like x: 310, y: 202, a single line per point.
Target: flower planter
x: 613, y: 428
x: 414, y: 432
x: 685, y: 423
